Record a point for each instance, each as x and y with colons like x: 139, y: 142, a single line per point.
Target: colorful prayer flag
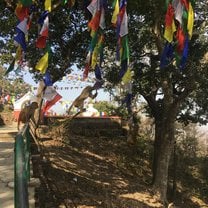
x: 115, y: 12
x: 51, y: 97
x: 11, y: 67
x: 42, y: 64
x: 48, y: 5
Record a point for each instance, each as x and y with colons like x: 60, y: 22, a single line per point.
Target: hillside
x: 80, y: 171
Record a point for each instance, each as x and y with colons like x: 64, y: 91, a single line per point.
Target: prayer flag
x: 10, y: 68
x: 124, y: 24
x: 49, y: 93
x: 190, y: 20
x: 115, y: 12
x: 48, y: 5
x: 26, y: 2
x: 41, y: 42
x: 21, y: 11
x: 23, y: 26
x: 51, y: 97
x: 94, y: 6
x: 42, y: 64
x: 98, y: 72
x: 178, y: 7
x: 127, y: 76
x: 167, y: 55
x: 47, y: 79
x: 169, y: 24
x: 20, y: 39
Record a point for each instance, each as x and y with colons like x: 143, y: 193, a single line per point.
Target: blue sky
x: 74, y: 88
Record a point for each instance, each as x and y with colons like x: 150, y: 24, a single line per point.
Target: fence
x: 22, y: 167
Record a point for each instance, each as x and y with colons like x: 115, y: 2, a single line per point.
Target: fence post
x: 21, y: 185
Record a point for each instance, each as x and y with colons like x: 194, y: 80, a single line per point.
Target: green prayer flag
x: 11, y: 67
x: 26, y: 2
x: 125, y: 48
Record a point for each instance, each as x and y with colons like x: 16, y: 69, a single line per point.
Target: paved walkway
x: 7, y: 135
x: 7, y: 139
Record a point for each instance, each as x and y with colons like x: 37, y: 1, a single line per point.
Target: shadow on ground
x: 86, y: 172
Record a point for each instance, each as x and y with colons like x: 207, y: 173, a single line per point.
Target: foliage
x: 12, y: 86
x: 170, y: 93
x: 146, y: 19
x: 110, y: 109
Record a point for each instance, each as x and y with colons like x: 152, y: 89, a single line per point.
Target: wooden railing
x: 22, y: 167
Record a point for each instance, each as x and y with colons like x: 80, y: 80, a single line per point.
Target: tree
x: 171, y: 94
x: 12, y: 86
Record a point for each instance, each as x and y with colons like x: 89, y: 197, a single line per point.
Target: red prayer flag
x: 50, y: 103
x: 169, y: 16
x: 41, y: 42
x: 181, y: 40
x: 95, y: 21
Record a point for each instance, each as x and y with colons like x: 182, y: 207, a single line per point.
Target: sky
x: 74, y: 88
x: 69, y: 88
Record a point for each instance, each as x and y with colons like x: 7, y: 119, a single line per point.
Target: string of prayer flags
x: 120, y: 21
x: 22, y: 11
x: 41, y: 42
x: 179, y: 20
x: 98, y: 50
x: 43, y: 35
x: 96, y: 26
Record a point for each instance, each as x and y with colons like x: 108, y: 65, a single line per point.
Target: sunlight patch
x: 145, y: 198
x: 198, y: 201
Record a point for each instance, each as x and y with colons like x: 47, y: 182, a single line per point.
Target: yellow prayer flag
x: 169, y: 32
x: 127, y: 76
x: 115, y: 13
x: 42, y: 64
x: 190, y: 20
x: 94, y: 58
x: 48, y: 5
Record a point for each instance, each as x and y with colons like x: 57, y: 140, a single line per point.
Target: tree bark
x: 163, y: 147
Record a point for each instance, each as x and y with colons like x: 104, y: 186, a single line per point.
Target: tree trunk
x: 163, y: 147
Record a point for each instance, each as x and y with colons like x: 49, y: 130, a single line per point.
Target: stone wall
x: 97, y: 126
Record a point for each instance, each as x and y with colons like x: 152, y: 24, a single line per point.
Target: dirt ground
x: 94, y: 172
x: 79, y: 171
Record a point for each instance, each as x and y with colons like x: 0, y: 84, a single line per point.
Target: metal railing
x: 22, y: 167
